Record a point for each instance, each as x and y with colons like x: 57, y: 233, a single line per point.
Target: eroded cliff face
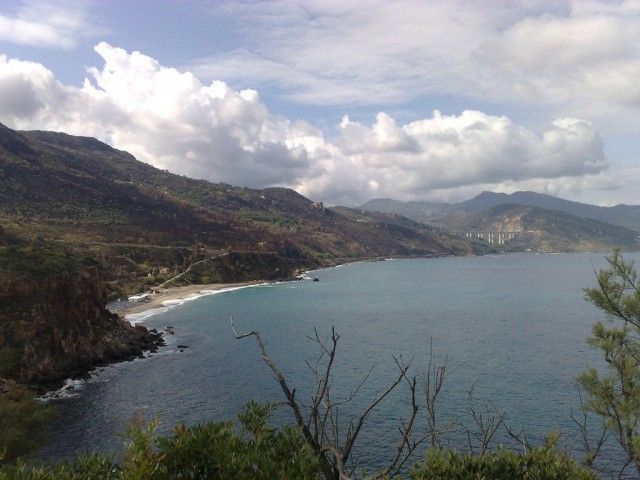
x: 57, y: 326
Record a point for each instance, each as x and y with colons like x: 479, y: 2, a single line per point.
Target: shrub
x: 212, y: 451
x: 613, y: 393
x: 543, y: 463
x: 21, y: 421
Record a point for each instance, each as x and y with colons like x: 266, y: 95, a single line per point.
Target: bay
x: 514, y: 324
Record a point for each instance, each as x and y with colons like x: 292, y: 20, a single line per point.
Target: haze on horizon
x: 342, y: 101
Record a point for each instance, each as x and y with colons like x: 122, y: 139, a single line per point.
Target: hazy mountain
x: 623, y: 215
x: 520, y: 227
x: 417, y: 210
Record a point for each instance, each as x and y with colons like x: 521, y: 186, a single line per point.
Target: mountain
x: 622, y: 215
x: 521, y: 228
x: 140, y: 221
x: 82, y: 222
x: 416, y: 210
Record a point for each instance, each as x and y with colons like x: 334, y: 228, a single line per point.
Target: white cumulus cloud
x: 444, y: 152
x: 171, y: 119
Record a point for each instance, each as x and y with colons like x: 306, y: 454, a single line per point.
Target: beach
x: 142, y: 306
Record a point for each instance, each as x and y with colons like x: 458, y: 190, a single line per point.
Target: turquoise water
x: 515, y: 324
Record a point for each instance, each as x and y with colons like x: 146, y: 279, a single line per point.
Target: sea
x: 511, y: 328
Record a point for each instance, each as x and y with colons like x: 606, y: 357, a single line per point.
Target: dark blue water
x: 515, y: 324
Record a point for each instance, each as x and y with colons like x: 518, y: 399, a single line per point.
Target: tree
x: 614, y: 395
x: 331, y: 437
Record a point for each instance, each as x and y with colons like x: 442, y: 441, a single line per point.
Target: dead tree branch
x: 485, y: 424
x: 591, y: 449
x: 320, y: 421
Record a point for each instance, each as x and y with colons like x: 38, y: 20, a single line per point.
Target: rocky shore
x: 58, y: 327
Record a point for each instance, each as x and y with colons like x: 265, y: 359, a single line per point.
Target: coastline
x: 138, y: 308
x: 141, y: 306
x: 134, y: 313
x: 160, y: 300
x: 157, y: 301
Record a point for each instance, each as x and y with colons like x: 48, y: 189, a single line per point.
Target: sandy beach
x: 176, y: 295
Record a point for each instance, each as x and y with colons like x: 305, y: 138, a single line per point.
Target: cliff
x: 53, y: 320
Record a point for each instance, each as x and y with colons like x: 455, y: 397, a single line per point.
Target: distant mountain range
x: 522, y: 227
x: 623, y: 215
x: 526, y: 221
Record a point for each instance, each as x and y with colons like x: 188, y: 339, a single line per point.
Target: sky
x: 343, y: 101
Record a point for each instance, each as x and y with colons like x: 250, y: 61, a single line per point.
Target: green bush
x: 211, y: 451
x: 543, y: 463
x: 83, y: 467
x: 256, y: 451
x: 21, y: 421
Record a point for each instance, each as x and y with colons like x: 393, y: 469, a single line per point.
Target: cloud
x: 450, y: 152
x: 172, y: 120
x: 590, y: 54
x: 164, y: 117
x: 350, y: 52
x: 42, y: 24
x: 578, y: 57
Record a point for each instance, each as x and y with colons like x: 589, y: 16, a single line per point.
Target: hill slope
x: 53, y: 320
x: 622, y: 215
x: 518, y: 228
x: 81, y: 222
x: 140, y: 221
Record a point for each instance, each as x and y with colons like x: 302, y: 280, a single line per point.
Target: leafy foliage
x: 543, y: 463
x: 614, y: 395
x: 214, y: 451
x: 256, y: 451
x: 36, y: 260
x: 21, y: 421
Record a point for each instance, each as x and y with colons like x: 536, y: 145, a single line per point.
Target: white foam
x: 70, y: 389
x: 73, y: 387
x: 180, y: 301
x: 138, y: 318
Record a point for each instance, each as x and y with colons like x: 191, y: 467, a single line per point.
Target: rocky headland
x: 53, y: 321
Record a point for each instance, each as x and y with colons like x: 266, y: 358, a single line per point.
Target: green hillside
x: 144, y: 225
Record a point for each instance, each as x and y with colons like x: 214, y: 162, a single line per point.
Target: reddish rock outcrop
x: 57, y: 327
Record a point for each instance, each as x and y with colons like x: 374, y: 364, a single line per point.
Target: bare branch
x: 327, y: 467
x: 519, y: 437
x: 353, y: 432
x: 321, y: 423
x: 590, y: 451
x: 434, y: 377
x: 485, y: 424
